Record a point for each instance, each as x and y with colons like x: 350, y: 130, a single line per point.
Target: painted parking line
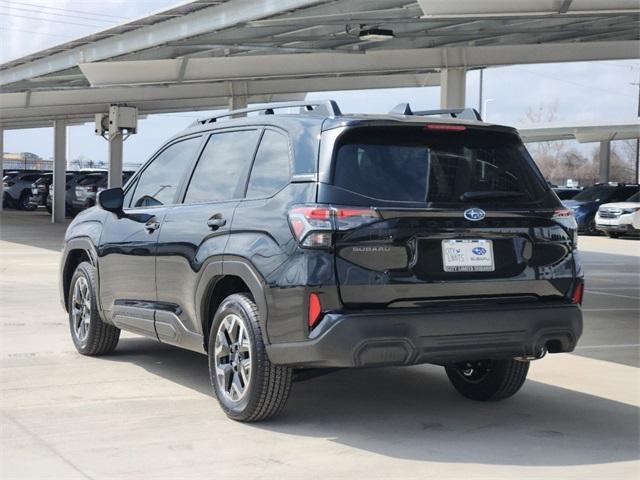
x: 618, y: 288
x: 612, y: 294
x: 597, y: 347
x: 609, y: 309
x: 612, y: 274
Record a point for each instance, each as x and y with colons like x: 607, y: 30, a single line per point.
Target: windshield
x: 634, y: 198
x: 416, y: 164
x: 595, y: 194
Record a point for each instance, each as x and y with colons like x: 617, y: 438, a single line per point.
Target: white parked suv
x: 616, y: 219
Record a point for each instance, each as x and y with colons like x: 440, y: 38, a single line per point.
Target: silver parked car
x: 17, y: 189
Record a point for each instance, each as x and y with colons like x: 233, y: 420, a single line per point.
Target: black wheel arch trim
x: 72, y: 245
x: 230, y: 265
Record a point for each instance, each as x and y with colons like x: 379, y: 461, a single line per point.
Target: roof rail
x: 462, y: 113
x: 319, y: 107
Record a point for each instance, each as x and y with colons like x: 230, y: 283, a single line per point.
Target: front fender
x: 67, y: 262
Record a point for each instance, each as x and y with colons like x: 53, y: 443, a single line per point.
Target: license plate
x: 467, y: 256
x: 606, y: 221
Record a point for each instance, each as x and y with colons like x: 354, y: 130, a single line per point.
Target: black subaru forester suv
x: 281, y: 245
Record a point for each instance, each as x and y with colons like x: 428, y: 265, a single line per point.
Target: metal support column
x: 453, y: 87
x: 605, y: 160
x: 115, y: 161
x: 236, y: 102
x: 59, y: 170
x: 1, y: 160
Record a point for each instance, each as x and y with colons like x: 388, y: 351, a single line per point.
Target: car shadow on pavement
x: 413, y: 413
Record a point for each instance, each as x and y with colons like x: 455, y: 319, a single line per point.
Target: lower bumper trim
x: 414, y: 337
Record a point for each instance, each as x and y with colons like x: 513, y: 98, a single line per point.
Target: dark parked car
x: 40, y: 190
x: 585, y: 205
x: 566, y: 193
x: 289, y: 243
x: 70, y: 190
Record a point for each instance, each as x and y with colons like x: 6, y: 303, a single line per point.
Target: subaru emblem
x: 474, y: 214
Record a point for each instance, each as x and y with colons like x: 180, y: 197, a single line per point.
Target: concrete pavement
x: 147, y: 411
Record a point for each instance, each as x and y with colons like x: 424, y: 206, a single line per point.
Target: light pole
x: 480, y: 92
x: 637, y: 179
x: 484, y: 110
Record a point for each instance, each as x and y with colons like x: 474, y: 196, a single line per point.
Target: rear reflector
x: 445, y: 127
x: 314, y: 309
x: 578, y: 293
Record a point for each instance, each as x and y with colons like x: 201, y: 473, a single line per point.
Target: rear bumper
x: 443, y: 336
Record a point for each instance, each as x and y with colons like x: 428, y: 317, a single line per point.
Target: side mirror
x: 111, y: 200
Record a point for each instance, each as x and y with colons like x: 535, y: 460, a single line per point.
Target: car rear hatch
x: 456, y: 213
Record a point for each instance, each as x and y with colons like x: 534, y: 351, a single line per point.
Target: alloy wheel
x: 81, y: 309
x: 474, y: 372
x: 232, y: 358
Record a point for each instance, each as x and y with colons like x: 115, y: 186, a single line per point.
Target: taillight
x: 563, y: 213
x: 578, y: 292
x: 566, y: 218
x: 315, y: 309
x: 313, y: 225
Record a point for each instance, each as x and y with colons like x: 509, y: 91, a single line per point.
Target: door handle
x: 152, y: 225
x: 215, y: 222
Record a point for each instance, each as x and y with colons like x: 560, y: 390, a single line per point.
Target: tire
x: 268, y: 386
x: 98, y: 338
x: 49, y: 209
x: 613, y: 235
x: 591, y: 226
x: 23, y: 202
x: 488, y: 379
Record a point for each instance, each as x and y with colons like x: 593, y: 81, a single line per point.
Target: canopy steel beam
x: 203, y: 21
x: 583, y: 133
x: 372, y: 62
x: 81, y: 104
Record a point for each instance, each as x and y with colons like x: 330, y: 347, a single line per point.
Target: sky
x: 582, y: 92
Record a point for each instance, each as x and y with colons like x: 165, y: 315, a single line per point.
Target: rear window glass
x: 90, y: 180
x: 596, y: 194
x: 30, y: 178
x: 417, y: 165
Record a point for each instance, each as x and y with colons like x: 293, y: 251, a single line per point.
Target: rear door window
x: 30, y: 178
x: 221, y: 172
x: 417, y: 165
x: 271, y: 169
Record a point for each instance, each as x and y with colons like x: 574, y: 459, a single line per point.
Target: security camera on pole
x: 116, y: 126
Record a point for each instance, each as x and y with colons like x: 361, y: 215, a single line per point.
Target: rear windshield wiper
x: 482, y: 195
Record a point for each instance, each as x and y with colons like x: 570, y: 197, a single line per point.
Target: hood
x: 621, y: 205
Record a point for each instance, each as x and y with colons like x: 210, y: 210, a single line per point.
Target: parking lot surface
x: 147, y: 411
